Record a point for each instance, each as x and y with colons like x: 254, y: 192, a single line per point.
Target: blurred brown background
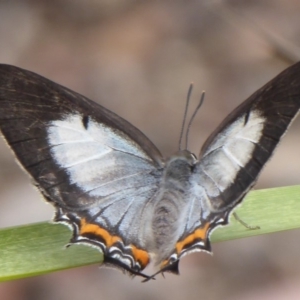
x: 138, y: 58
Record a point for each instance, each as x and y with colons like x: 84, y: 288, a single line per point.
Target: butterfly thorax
x: 171, y: 204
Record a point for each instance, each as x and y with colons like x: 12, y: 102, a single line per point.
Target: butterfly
x: 111, y: 185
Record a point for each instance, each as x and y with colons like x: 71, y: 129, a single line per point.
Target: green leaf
x: 40, y: 248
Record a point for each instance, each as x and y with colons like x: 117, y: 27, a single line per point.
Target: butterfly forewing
x: 235, y: 153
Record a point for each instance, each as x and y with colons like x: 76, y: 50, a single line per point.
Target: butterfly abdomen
x: 172, y: 204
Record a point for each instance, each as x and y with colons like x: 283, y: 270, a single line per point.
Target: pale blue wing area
x: 98, y: 159
x: 223, y: 170
x: 116, y: 179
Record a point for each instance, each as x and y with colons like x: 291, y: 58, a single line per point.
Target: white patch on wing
x: 71, y: 130
x: 232, y: 149
x: 96, y: 157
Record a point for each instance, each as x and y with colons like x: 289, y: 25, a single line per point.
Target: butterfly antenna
x: 185, y: 113
x: 192, y: 118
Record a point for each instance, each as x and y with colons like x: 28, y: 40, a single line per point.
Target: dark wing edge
x: 257, y: 125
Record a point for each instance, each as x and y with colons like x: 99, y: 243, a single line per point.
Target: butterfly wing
x: 234, y: 155
x: 97, y: 169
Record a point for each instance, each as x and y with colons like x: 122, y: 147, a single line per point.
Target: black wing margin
x: 235, y: 153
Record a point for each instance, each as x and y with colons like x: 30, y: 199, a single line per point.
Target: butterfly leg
x: 244, y: 223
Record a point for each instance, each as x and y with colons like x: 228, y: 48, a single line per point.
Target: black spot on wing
x: 85, y: 121
x: 246, y: 119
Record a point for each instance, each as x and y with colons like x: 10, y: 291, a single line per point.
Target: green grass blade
x: 39, y: 248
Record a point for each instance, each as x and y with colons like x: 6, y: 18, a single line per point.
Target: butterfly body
x: 109, y: 183
x: 172, y: 206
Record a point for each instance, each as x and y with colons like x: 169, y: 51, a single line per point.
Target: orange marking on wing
x: 97, y: 230
x: 199, y: 233
x: 141, y: 256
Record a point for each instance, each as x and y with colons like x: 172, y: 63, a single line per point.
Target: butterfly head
x: 181, y: 163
